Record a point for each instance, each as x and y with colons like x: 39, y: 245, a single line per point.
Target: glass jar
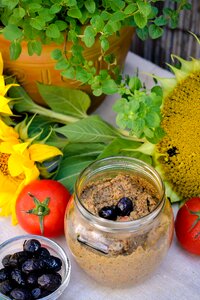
x: 117, y: 253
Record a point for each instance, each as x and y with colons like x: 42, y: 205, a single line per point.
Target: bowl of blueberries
x: 33, y: 267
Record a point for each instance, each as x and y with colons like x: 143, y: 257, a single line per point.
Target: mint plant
x: 41, y: 22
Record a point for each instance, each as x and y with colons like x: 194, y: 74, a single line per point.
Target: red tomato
x: 187, y: 225
x: 40, y: 207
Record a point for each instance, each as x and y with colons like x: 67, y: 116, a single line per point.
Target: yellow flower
x: 4, y: 101
x: 179, y: 151
x: 18, y: 166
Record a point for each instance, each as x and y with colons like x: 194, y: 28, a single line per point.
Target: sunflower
x: 179, y: 151
x: 4, y: 101
x: 18, y: 166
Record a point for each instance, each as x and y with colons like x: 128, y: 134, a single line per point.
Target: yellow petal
x: 6, y: 88
x: 1, y: 64
x: 41, y: 152
x: 8, y: 189
x: 31, y: 174
x: 2, y: 84
x: 4, y: 107
x: 7, y: 133
x: 15, y: 164
x: 20, y: 148
x: 6, y: 147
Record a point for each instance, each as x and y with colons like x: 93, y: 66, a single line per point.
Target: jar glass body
x: 118, y: 253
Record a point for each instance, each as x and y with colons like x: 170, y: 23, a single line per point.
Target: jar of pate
x: 119, y: 224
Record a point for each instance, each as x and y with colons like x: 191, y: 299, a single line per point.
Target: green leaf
x: 117, y: 16
x: 83, y: 149
x: 56, y: 54
x: 152, y: 120
x: 97, y: 23
x: 82, y: 75
x: 105, y: 44
x: 90, y: 6
x: 61, y: 25
x: 109, y: 87
x: 144, y: 8
x: 91, y: 129
x: 155, y: 31
x: 55, y: 8
x: 15, y: 50
x: 142, y: 33
x: 105, y: 15
x: 65, y: 100
x: 89, y: 36
x: 61, y: 64
x: 117, y: 4
x: 69, y: 72
x: 117, y: 146
x: 11, y: 32
x: 34, y: 47
x: 74, y: 12
x: 139, y: 155
x: 140, y: 20
x: 18, y: 14
x: 134, y: 83
x: 37, y: 23
x: 160, y: 21
x: 131, y: 8
x: 70, y: 169
x: 52, y: 31
x: 33, y: 7
x: 9, y: 3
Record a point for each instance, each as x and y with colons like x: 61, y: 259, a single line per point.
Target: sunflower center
x: 4, y: 163
x: 4, y: 167
x: 180, y: 147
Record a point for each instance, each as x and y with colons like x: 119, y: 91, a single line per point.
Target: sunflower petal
x: 4, y: 107
x: 31, y: 174
x: 7, y: 87
x: 7, y: 133
x: 20, y: 148
x: 41, y: 152
x: 1, y: 64
x: 15, y: 165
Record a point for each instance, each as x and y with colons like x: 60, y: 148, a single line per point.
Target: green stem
x: 125, y: 134
x: 65, y: 119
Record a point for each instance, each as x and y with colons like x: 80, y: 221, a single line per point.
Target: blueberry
x: 50, y: 282
x: 17, y: 259
x: 31, y: 246
x: 32, y: 279
x: 6, y: 260
x: 33, y: 264
x: 20, y: 294
x: 43, y: 252
x: 124, y: 206
x: 4, y: 274
x: 36, y: 293
x: 53, y: 263
x: 5, y: 287
x: 108, y: 212
x: 18, y: 277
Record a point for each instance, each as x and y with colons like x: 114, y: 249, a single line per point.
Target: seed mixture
x: 116, y: 193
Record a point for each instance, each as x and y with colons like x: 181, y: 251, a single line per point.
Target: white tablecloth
x: 178, y: 277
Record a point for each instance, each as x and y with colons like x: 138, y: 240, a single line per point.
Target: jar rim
x: 109, y: 225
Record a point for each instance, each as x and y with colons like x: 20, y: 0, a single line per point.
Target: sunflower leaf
x: 64, y: 100
x: 91, y: 129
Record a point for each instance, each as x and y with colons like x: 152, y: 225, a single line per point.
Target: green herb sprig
x: 40, y: 22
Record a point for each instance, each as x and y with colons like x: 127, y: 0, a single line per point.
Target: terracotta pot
x: 30, y: 69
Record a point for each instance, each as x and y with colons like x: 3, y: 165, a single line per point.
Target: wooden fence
x: 177, y: 41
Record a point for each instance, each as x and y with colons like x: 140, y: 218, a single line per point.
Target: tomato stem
x: 41, y: 209
x: 196, y: 213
